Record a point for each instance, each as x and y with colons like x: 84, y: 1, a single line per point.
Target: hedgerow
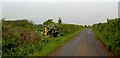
x: 109, y: 34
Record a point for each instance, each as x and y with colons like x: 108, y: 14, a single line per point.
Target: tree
x: 59, y: 21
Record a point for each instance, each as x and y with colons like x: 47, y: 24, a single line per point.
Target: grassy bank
x: 54, y: 44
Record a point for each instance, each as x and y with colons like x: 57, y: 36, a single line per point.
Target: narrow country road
x: 84, y: 44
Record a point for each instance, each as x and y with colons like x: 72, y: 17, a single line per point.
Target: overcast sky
x: 60, y: 0
x: 70, y: 12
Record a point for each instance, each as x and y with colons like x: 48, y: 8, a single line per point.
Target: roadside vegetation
x: 0, y: 38
x: 109, y: 34
x: 23, y: 38
x: 54, y: 44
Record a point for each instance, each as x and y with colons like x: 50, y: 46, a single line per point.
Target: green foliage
x: 24, y: 50
x: 49, y: 22
x: 18, y: 34
x: 68, y: 28
x: 109, y: 33
x: 21, y: 37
